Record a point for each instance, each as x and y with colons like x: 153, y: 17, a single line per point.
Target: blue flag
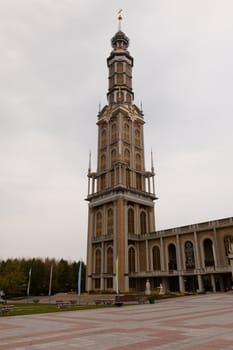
x: 79, y: 278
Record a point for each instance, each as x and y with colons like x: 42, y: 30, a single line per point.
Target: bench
x: 62, y: 304
x: 142, y: 300
x: 5, y: 309
x: 104, y: 301
x: 130, y: 299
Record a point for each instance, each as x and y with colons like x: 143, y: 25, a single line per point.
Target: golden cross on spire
x: 119, y: 19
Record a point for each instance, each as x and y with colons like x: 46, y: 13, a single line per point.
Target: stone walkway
x: 191, y: 323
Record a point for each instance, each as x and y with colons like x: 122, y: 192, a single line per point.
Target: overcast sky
x: 53, y: 75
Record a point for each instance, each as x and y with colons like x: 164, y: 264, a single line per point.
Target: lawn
x: 29, y: 308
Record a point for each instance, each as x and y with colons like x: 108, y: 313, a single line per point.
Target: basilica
x: 124, y: 250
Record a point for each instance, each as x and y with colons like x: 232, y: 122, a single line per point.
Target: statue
x: 148, y: 290
x: 161, y: 289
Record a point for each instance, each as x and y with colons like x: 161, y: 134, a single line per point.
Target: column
x: 162, y: 254
x: 153, y: 183
x: 126, y: 273
x: 147, y: 257
x: 200, y: 283
x: 102, y: 267
x: 178, y: 257
x: 213, y: 282
x: 181, y: 284
x: 148, y: 179
x: 215, y: 250
x: 88, y: 191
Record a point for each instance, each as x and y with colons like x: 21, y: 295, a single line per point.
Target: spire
x: 119, y: 20
x: 120, y: 64
x: 89, y: 166
x: 152, y: 162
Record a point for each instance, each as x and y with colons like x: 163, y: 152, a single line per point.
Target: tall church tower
x: 121, y: 192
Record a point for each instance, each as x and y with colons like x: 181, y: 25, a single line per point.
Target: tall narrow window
x: 156, y: 258
x: 113, y: 157
x: 102, y: 182
x: 143, y: 222
x: 127, y: 157
x: 98, y: 224
x: 127, y: 177
x: 172, y: 262
x: 130, y: 221
x: 110, y: 222
x: 228, y: 244
x: 189, y: 256
x: 98, y: 261
x: 138, y: 182
x: 103, y: 137
x: 131, y: 259
x: 137, y: 137
x: 138, y: 161
x: 126, y: 132
x: 103, y: 162
x: 113, y: 133
x: 208, y: 252
x: 110, y: 260
x: 120, y: 67
x: 112, y: 177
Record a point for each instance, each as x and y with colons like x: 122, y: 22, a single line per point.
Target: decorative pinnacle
x: 89, y: 165
x: 152, y: 161
x: 119, y: 19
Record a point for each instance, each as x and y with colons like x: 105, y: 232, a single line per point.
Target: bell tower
x: 121, y: 192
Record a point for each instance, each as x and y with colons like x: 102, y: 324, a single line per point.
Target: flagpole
x: 79, y: 281
x: 50, y: 282
x: 117, y: 281
x: 29, y: 283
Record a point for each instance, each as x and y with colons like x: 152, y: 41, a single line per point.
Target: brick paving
x: 190, y: 323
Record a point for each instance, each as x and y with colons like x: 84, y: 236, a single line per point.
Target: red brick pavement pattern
x: 187, y: 323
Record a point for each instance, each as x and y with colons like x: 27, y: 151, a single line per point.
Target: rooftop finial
x: 89, y: 165
x: 119, y: 19
x: 152, y: 161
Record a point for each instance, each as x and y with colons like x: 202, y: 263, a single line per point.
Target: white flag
x: 29, y: 281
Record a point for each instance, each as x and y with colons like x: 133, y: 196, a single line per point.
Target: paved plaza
x: 192, y: 323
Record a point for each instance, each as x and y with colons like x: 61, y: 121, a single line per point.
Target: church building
x: 124, y: 250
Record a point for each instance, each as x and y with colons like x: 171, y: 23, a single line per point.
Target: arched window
x: 103, y: 137
x: 156, y: 258
x: 138, y: 161
x: 137, y: 137
x: 110, y: 260
x: 189, y: 255
x: 130, y: 221
x: 113, y: 133
x: 119, y: 79
x: 208, y: 252
x: 228, y: 244
x: 120, y: 67
x: 127, y: 157
x: 112, y: 177
x: 113, y: 157
x: 138, y: 182
x: 131, y: 259
x: 102, y: 182
x: 110, y: 222
x: 143, y: 222
x: 172, y: 263
x: 126, y: 132
x: 98, y: 261
x: 127, y: 177
x: 103, y: 162
x: 98, y: 224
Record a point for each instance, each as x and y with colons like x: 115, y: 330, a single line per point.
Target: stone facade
x: 121, y: 195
